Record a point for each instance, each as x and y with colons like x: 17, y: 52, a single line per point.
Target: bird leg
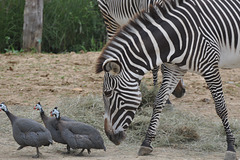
x: 81, y: 153
x: 20, y: 147
x: 68, y: 149
x: 88, y: 151
x: 37, y: 155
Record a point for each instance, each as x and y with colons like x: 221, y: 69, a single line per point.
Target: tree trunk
x: 32, y: 26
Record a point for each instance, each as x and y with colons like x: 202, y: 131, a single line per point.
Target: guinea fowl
x: 28, y: 132
x: 51, y: 124
x: 79, y: 135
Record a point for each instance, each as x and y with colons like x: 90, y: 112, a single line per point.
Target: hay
x: 182, y: 130
x: 88, y: 109
x: 148, y: 95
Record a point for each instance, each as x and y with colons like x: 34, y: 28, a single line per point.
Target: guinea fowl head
x: 38, y: 107
x: 3, y: 107
x: 55, y: 113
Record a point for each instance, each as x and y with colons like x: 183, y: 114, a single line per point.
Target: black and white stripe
x: 117, y: 13
x: 199, y: 36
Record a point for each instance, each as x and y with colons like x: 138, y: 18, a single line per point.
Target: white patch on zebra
x: 230, y: 58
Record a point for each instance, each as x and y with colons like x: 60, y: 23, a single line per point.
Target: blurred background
x: 68, y: 25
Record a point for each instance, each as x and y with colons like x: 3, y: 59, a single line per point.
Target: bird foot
x: 68, y: 152
x: 80, y: 154
x: 36, y: 156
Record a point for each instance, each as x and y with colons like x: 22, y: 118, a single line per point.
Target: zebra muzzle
x: 116, y: 138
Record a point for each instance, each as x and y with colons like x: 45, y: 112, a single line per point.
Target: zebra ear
x: 113, y: 67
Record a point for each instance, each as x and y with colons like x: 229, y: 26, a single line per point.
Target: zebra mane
x: 101, y: 59
x: 163, y: 7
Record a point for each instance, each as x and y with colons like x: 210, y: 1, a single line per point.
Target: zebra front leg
x: 179, y: 91
x: 146, y: 147
x: 215, y: 86
x: 171, y: 76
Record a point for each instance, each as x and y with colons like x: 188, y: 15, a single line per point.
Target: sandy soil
x: 29, y: 78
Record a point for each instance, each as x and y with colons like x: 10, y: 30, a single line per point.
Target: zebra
x: 117, y: 13
x: 199, y: 36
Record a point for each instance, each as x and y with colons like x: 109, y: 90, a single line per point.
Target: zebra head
x: 121, y: 97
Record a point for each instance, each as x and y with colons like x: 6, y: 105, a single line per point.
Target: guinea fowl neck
x: 42, y: 114
x: 58, y: 117
x: 11, y: 116
x: 41, y: 111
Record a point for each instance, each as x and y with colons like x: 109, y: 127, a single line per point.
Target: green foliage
x: 72, y: 25
x: 11, y: 24
x: 69, y: 25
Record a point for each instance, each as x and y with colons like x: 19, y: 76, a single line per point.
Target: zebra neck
x: 144, y: 5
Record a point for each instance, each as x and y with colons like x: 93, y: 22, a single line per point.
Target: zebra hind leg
x: 171, y: 76
x: 179, y: 90
x: 155, y: 75
x: 215, y: 86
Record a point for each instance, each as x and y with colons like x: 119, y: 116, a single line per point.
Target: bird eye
x: 108, y: 93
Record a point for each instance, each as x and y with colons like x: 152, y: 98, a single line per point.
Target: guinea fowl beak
x: 36, y: 108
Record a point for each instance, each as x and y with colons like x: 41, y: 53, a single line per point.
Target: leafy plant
x: 72, y: 25
x: 69, y: 25
x: 11, y: 24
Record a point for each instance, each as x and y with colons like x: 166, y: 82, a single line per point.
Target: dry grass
x: 176, y: 128
x: 88, y: 109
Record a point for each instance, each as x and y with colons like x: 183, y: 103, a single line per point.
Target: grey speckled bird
x: 28, y: 132
x: 51, y: 124
x: 79, y: 135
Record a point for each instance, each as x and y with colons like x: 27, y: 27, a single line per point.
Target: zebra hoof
x: 230, y: 155
x: 144, y: 150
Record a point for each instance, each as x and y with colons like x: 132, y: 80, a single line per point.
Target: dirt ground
x: 26, y: 79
